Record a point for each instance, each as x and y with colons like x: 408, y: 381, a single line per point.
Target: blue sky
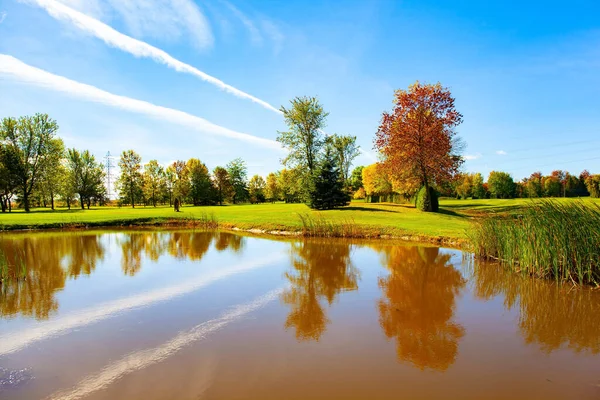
x: 526, y: 75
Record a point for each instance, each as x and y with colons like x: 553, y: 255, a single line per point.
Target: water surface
x: 214, y: 315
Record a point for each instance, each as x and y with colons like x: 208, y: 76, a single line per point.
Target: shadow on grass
x: 452, y: 213
x: 354, y: 208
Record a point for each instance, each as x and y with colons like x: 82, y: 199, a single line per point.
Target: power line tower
x: 108, y: 164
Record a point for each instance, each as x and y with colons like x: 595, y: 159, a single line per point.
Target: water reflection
x: 551, y: 315
x: 51, y: 259
x: 320, y: 271
x: 418, y: 305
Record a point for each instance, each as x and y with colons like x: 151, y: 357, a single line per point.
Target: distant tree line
x: 374, y: 184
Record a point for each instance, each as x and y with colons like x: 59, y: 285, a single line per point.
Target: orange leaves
x: 416, y: 138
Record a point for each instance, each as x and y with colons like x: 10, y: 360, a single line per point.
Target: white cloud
x: 136, y: 47
x: 161, y: 19
x: 255, y: 35
x: 273, y: 32
x: 470, y: 157
x: 16, y: 69
x: 501, y: 152
x: 2, y: 16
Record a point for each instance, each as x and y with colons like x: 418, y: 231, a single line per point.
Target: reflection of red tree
x: 321, y: 270
x: 418, y: 306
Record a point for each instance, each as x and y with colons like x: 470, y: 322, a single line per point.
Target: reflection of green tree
x: 51, y: 259
x: 321, y: 269
x: 418, y: 305
x: 229, y: 241
x: 551, y: 315
x: 43, y: 257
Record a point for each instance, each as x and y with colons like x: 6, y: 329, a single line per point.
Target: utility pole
x: 108, y: 164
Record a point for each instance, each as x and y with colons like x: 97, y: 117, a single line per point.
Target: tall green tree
x: 478, y: 190
x: 130, y: 180
x: 154, y: 181
x: 272, y: 191
x: 328, y: 190
x: 356, y: 179
x: 33, y: 141
x: 201, y: 189
x: 501, y: 185
x: 170, y: 180
x: 9, y: 176
x: 256, y: 189
x: 50, y: 178
x: 223, y: 184
x: 87, y: 176
x: 345, y: 151
x: 305, y: 119
x: 290, y: 185
x: 238, y: 174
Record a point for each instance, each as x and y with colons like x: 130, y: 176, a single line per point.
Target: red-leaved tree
x: 418, y: 138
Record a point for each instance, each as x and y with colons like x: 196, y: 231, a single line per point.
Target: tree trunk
x: 26, y: 201
x: 132, y: 199
x: 52, y: 200
x: 82, y: 202
x: 68, y: 203
x: 89, y: 201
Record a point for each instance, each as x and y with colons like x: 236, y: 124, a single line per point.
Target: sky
x: 175, y: 79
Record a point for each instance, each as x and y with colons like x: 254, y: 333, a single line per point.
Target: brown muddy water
x: 204, y: 315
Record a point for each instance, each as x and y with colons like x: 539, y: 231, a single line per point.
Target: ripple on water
x: 14, y: 378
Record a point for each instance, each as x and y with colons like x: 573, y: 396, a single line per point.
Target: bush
x: 427, y: 199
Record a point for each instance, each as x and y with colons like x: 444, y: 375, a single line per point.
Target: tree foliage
x: 418, y: 139
x: 328, y: 191
x: 130, y: 180
x: 223, y: 184
x: 501, y: 185
x: 345, y: 151
x: 256, y: 189
x: 305, y: 120
x: 33, y: 143
x: 238, y: 173
x: 85, y: 176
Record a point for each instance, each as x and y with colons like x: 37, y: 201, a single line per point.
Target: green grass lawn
x: 452, y: 221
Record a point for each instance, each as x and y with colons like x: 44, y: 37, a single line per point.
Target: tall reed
x: 549, y: 239
x: 10, y: 271
x: 318, y: 226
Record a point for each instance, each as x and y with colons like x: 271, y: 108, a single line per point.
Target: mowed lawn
x: 393, y: 219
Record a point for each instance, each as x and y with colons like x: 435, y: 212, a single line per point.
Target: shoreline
x: 357, y: 233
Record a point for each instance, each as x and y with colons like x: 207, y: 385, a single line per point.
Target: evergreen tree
x: 327, y: 189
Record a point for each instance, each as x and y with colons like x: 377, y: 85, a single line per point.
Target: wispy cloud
x: 470, y: 157
x: 18, y: 340
x: 501, y: 152
x: 255, y: 35
x: 146, y: 357
x: 2, y: 16
x: 136, y: 47
x: 16, y: 69
x: 273, y: 32
x: 165, y: 18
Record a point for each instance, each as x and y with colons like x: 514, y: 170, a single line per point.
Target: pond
x: 215, y: 315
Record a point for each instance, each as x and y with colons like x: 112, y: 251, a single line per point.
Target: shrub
x: 427, y: 199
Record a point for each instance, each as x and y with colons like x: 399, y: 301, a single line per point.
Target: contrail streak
x: 135, y: 47
x: 143, y: 358
x: 15, y: 341
x: 12, y: 67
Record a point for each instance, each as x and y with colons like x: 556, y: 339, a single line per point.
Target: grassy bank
x: 549, y: 239
x: 359, y: 219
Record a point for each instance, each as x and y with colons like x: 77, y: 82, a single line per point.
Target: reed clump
x: 16, y: 270
x: 550, y: 239
x: 318, y: 226
x: 204, y: 221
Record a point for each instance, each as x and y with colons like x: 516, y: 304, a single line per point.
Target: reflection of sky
x: 107, y: 291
